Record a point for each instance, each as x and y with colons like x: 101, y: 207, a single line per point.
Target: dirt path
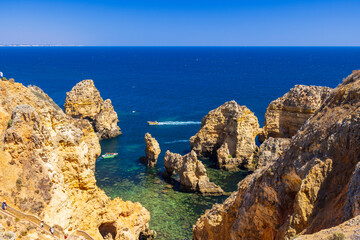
x: 35, y: 221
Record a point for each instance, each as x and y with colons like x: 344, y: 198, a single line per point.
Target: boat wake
x: 178, y: 123
x: 177, y: 141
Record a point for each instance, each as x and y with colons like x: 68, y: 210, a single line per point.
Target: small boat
x: 152, y: 122
x: 109, y: 155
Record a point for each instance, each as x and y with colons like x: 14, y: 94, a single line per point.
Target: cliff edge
x: 47, y: 168
x: 312, y: 186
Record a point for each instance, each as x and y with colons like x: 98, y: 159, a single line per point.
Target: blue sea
x: 176, y: 86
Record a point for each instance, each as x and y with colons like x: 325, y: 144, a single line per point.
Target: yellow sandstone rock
x: 312, y: 186
x: 47, y: 168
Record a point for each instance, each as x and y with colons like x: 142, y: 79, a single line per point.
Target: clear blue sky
x: 181, y: 22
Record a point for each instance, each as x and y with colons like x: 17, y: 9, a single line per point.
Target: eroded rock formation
x: 270, y: 150
x: 310, y: 187
x: 152, y: 150
x: 228, y: 134
x: 287, y: 114
x: 84, y: 102
x: 192, y: 173
x: 47, y: 168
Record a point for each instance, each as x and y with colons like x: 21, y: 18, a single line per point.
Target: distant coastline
x: 39, y: 45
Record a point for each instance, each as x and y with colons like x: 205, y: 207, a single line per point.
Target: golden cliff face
x: 84, y: 102
x: 312, y: 186
x: 47, y: 168
x: 287, y: 114
x: 228, y: 134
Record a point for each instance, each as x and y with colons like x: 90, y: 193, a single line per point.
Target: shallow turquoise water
x: 172, y: 212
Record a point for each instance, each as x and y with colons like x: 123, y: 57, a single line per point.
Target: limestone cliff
x: 285, y: 115
x: 270, y: 150
x: 84, y: 102
x: 347, y: 230
x: 192, y: 173
x: 152, y: 150
x: 228, y: 134
x: 313, y: 185
x: 47, y: 168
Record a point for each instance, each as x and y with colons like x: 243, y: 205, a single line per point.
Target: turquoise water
x: 178, y: 86
x: 172, y: 212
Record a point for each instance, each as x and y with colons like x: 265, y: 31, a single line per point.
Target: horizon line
x: 71, y: 45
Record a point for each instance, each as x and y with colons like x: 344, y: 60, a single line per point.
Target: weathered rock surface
x: 312, y: 186
x: 47, y: 168
x: 228, y: 134
x: 84, y: 102
x: 271, y: 149
x: 192, y: 173
x: 285, y: 115
x: 347, y: 230
x: 152, y: 150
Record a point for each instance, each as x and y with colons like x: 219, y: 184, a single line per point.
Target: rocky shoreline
x: 304, y: 179
x: 304, y: 184
x: 47, y: 168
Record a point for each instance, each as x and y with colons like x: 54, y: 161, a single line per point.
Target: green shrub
x: 18, y: 183
x: 337, y: 236
x: 10, y: 123
x: 229, y: 156
x: 24, y: 233
x: 17, y: 219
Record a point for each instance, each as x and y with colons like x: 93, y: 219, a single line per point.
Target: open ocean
x: 176, y: 86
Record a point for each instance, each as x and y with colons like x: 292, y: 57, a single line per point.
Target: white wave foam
x: 178, y: 123
x: 177, y: 141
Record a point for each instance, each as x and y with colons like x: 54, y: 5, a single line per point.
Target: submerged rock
x: 192, y: 173
x: 228, y: 134
x: 152, y: 150
x: 84, y: 102
x: 287, y: 114
x: 312, y: 186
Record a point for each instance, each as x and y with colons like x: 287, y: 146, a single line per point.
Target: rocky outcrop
x: 347, y: 230
x: 270, y: 150
x: 310, y: 187
x: 191, y: 172
x: 285, y: 115
x: 228, y: 134
x: 152, y: 150
x: 47, y: 168
x: 84, y: 102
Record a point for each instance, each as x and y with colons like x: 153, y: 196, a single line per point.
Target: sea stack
x: 192, y: 173
x: 84, y: 102
x: 152, y: 150
x: 287, y: 114
x: 228, y: 134
x: 313, y: 185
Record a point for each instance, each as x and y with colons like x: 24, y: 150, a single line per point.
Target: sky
x: 181, y: 22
